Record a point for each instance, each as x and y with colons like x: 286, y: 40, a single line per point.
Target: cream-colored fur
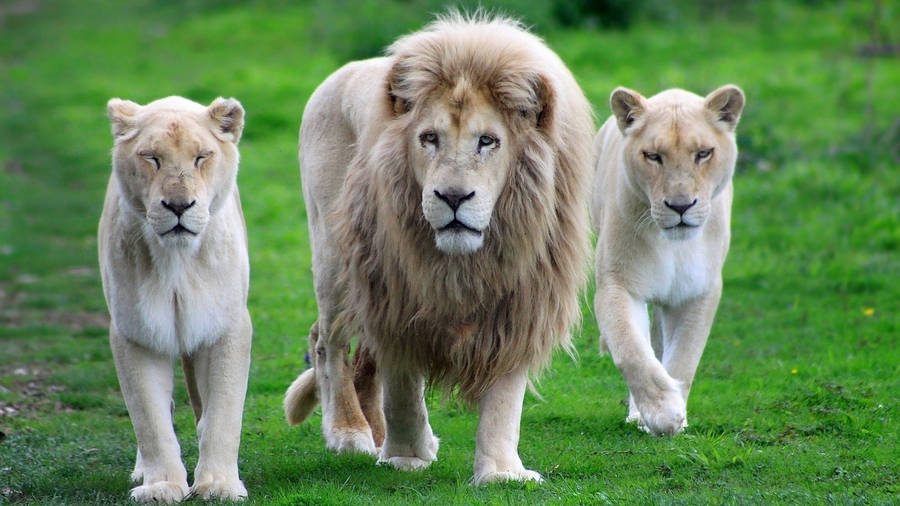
x: 662, y: 210
x: 446, y: 187
x: 173, y: 258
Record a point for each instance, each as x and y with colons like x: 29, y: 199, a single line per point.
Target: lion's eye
x: 653, y: 157
x: 152, y: 159
x: 199, y: 160
x: 703, y: 155
x: 485, y: 141
x: 429, y: 138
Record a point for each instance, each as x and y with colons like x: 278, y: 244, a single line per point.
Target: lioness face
x: 173, y: 160
x: 679, y: 152
x: 461, y: 158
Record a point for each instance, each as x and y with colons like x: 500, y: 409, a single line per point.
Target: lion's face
x: 460, y: 155
x: 173, y: 160
x: 679, y: 152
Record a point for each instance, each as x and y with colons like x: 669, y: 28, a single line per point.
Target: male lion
x: 173, y: 257
x: 662, y: 207
x: 446, y: 187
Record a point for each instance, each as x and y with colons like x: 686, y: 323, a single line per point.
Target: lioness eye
x: 429, y: 137
x: 653, y: 157
x: 154, y: 160
x: 485, y: 141
x: 198, y: 160
x: 703, y: 154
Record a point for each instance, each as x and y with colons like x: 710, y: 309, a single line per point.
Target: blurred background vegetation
x: 796, y: 398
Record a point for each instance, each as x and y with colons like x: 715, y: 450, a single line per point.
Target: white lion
x: 173, y: 257
x: 446, y: 187
x: 662, y: 210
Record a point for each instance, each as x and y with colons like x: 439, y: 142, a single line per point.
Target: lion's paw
x: 424, y: 454
x: 405, y: 463
x: 214, y: 488
x: 351, y: 442
x: 498, y: 476
x: 165, y: 492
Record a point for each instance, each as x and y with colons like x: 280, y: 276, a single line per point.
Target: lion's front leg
x: 686, y: 331
x: 497, y: 441
x: 409, y: 443
x: 220, y: 372
x: 656, y: 402
x: 146, y: 380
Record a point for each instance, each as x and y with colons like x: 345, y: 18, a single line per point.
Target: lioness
x: 661, y: 207
x: 173, y: 257
x: 446, y: 187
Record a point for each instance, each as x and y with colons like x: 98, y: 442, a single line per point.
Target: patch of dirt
x: 34, y: 394
x: 81, y: 272
x: 13, y: 314
x: 78, y: 319
x: 13, y: 167
x: 75, y: 320
x: 19, y: 8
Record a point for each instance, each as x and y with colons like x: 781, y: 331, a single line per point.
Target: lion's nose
x: 454, y: 198
x: 178, y: 208
x: 680, y: 208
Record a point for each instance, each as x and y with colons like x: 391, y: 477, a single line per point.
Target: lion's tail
x: 301, y: 397
x: 303, y: 394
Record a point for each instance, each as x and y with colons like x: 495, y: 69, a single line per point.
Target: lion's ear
x: 531, y: 95
x: 121, y: 115
x: 628, y: 106
x: 227, y: 115
x: 398, y: 88
x: 726, y: 104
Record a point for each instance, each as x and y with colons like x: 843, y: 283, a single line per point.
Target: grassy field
x: 796, y: 399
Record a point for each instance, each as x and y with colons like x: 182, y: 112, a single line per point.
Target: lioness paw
x: 497, y: 476
x: 340, y: 441
x: 165, y: 492
x: 663, y: 414
x: 231, y: 490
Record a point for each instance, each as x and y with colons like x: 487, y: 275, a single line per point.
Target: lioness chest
x: 673, y: 272
x: 179, y: 300
x: 177, y: 309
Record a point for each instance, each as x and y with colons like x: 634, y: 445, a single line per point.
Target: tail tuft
x: 301, y: 397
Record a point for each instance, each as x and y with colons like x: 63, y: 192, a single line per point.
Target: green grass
x: 796, y: 397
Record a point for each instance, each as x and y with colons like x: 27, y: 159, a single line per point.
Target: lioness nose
x: 680, y: 208
x: 454, y: 198
x: 177, y: 207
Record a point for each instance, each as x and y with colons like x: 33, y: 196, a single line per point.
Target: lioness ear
x: 726, y: 104
x: 398, y: 88
x: 628, y: 106
x: 228, y: 116
x: 121, y: 115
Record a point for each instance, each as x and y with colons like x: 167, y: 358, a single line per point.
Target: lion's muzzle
x: 458, y: 219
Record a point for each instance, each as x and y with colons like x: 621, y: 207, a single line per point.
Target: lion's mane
x: 466, y: 320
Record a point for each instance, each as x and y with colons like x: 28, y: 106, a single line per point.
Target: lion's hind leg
x: 368, y: 390
x: 343, y: 423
